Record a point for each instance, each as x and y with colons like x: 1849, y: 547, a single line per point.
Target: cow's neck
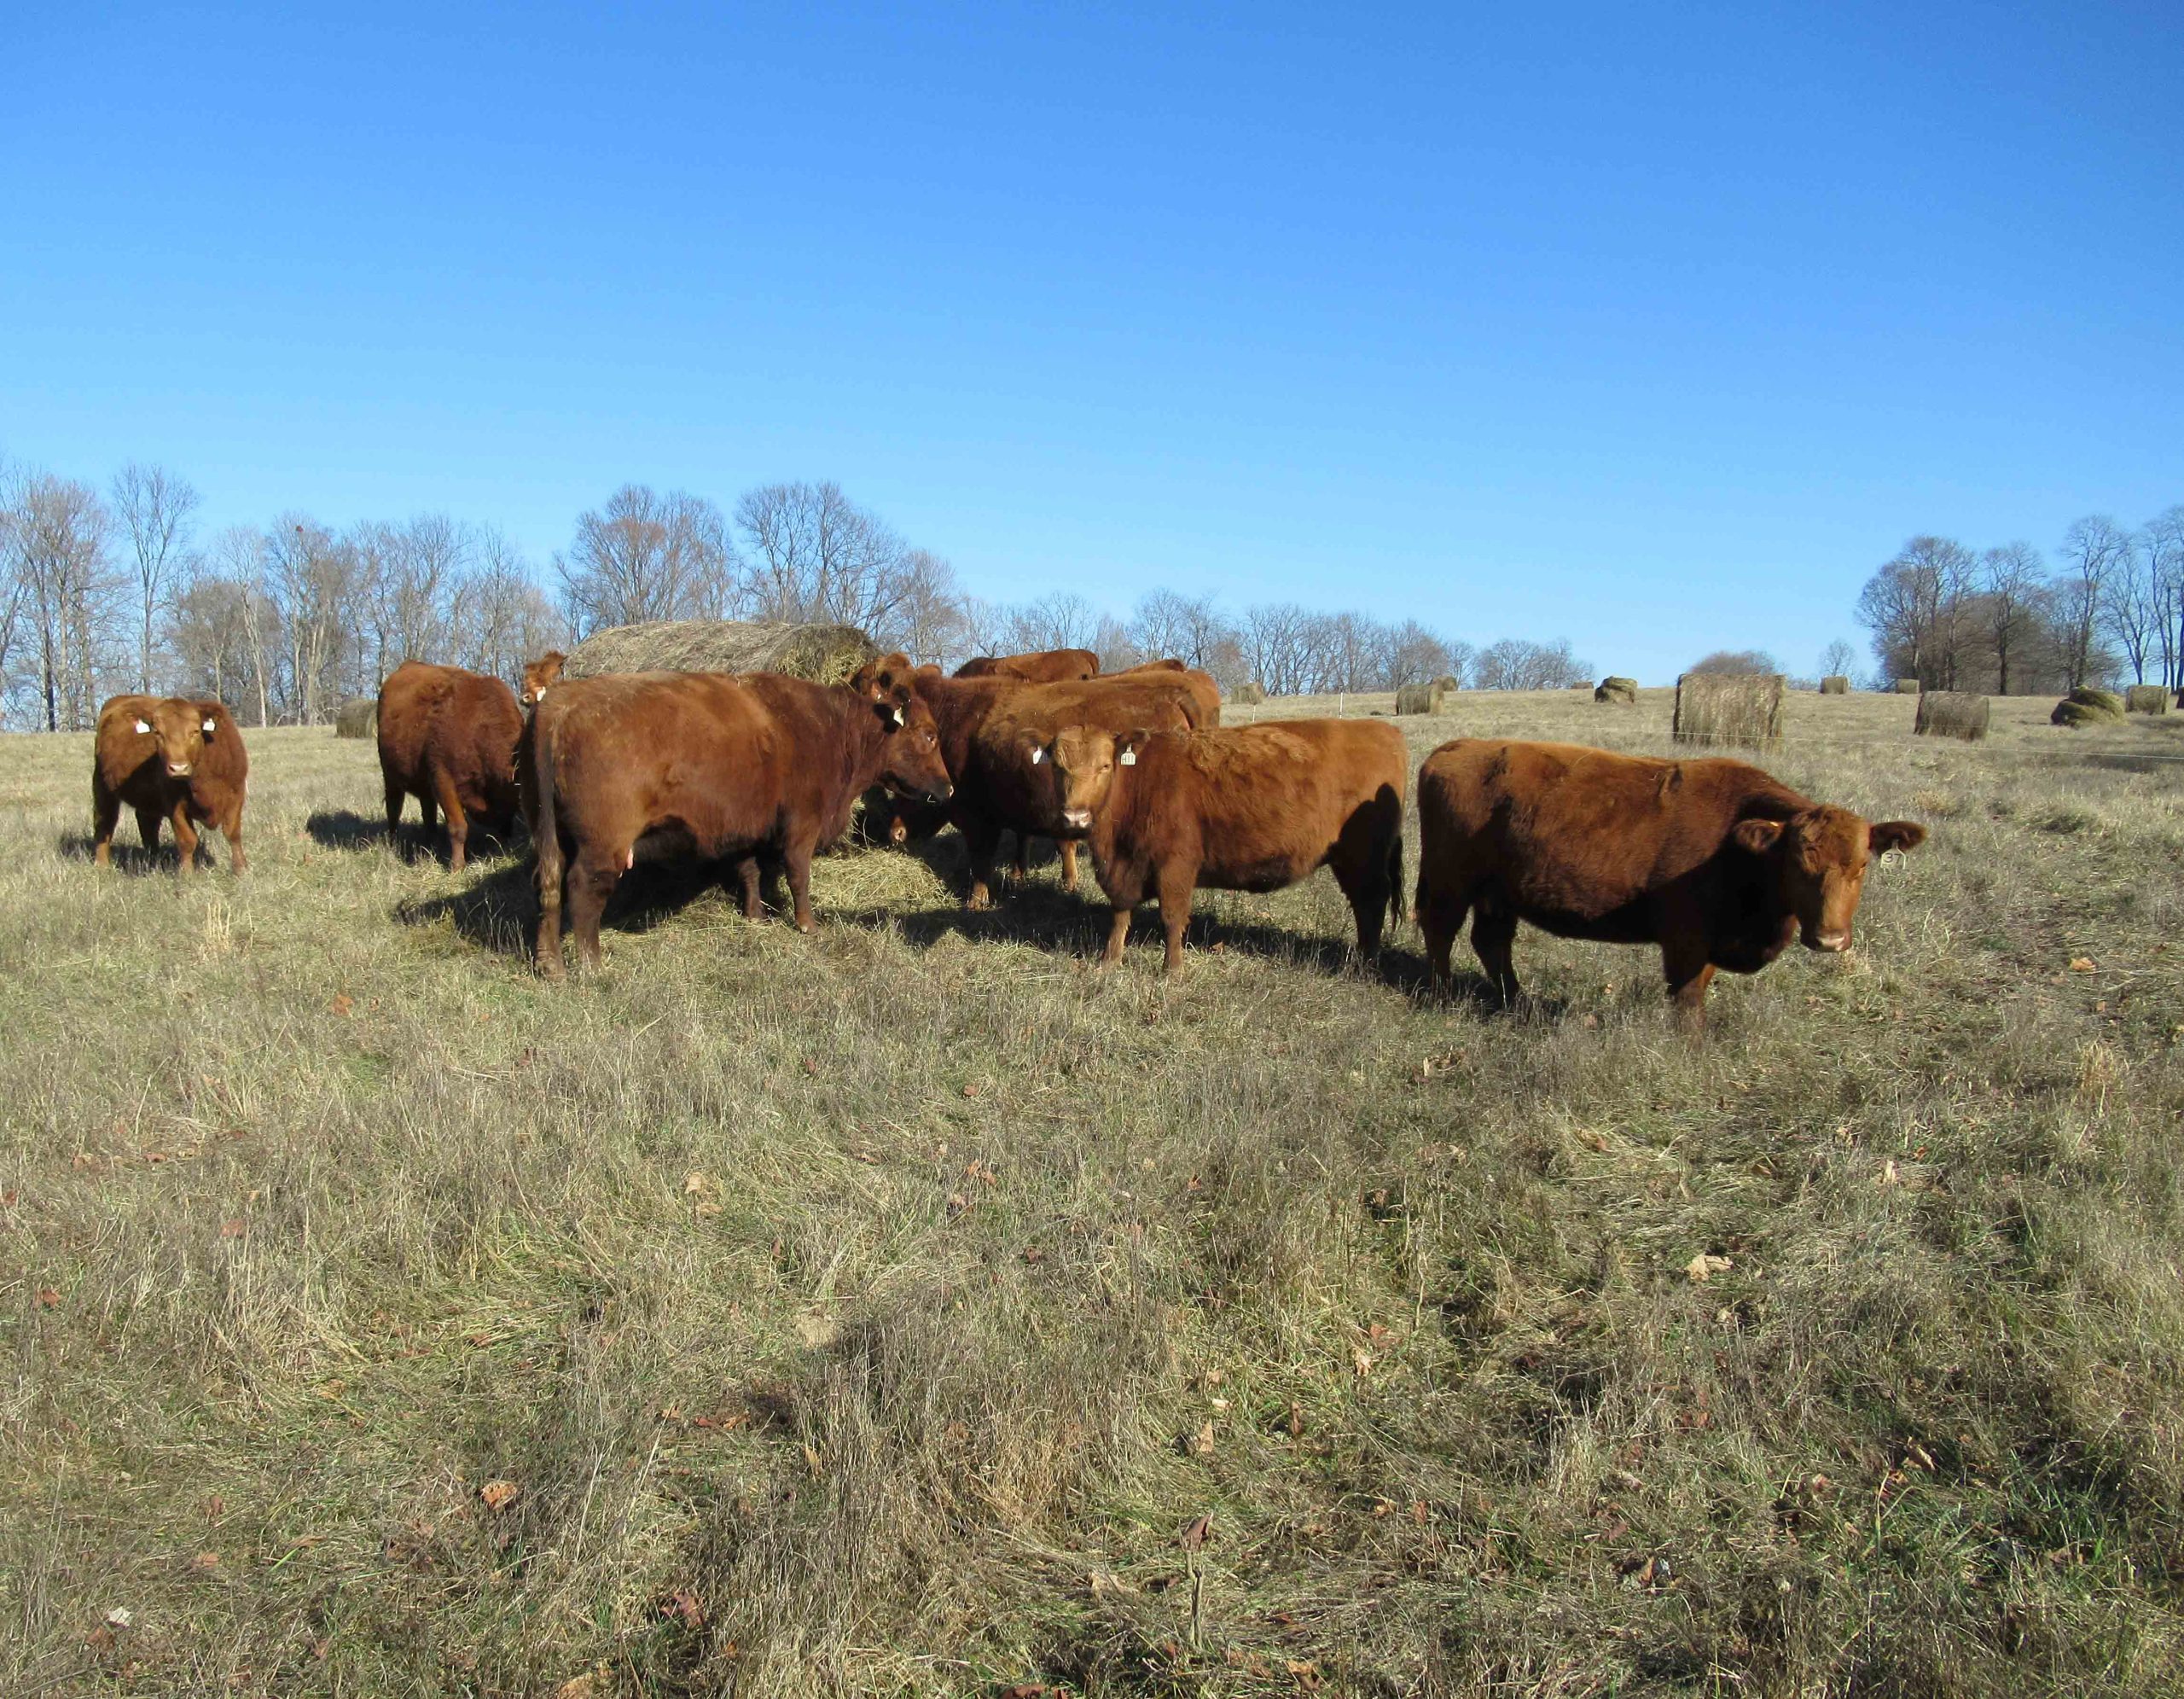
x: 960, y: 708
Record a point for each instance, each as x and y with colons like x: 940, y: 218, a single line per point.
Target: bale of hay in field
x: 2087, y: 707
x: 1906, y: 686
x: 356, y: 717
x: 1743, y: 710
x: 1421, y: 698
x: 1835, y: 684
x: 1615, y: 688
x: 826, y: 654
x: 1447, y: 684
x: 1951, y: 713
x: 1249, y: 693
x: 2147, y: 699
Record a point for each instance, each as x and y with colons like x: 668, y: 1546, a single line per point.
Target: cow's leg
x: 185, y: 836
x: 1366, y: 886
x: 148, y: 829
x: 1020, y: 868
x: 592, y: 878
x: 1689, y: 972
x: 106, y: 814
x: 552, y: 871
x: 396, y: 795
x: 1493, y: 930
x: 746, y: 876
x: 231, y: 829
x: 458, y: 823
x: 1118, y: 935
x: 1175, y: 885
x: 1441, y: 919
x: 982, y: 838
x: 798, y: 856
x: 1068, y: 848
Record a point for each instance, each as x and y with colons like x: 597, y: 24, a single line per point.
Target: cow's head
x: 1817, y: 861
x: 181, y: 730
x: 910, y: 763
x: 538, y: 674
x: 1081, y: 762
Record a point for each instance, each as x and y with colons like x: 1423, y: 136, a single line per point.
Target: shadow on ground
x: 343, y: 829
x: 134, y: 860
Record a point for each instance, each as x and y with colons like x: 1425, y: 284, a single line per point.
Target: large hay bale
x: 826, y: 654
x: 1250, y: 694
x: 1951, y: 713
x: 1615, y: 688
x: 356, y: 717
x: 1835, y: 684
x: 1447, y: 684
x: 1740, y: 710
x: 2087, y: 707
x: 1906, y: 686
x: 1426, y: 699
x: 2147, y: 699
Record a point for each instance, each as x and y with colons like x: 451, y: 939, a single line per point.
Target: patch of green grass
x: 874, y: 1312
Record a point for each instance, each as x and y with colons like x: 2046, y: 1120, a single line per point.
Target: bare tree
x: 1517, y: 664
x: 502, y: 618
x: 930, y: 624
x: 2094, y: 550
x: 316, y: 578
x: 810, y: 553
x: 2134, y: 607
x: 1064, y: 619
x: 1837, y: 658
x: 2164, y: 545
x: 2011, y: 587
x: 645, y: 556
x: 227, y: 631
x: 154, y: 507
x: 1914, y: 607
x: 57, y: 538
x: 1735, y: 660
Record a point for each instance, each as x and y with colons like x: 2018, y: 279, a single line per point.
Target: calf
x: 1715, y: 862
x: 1042, y: 666
x: 1254, y: 808
x: 448, y: 737
x: 178, y: 759
x: 714, y: 765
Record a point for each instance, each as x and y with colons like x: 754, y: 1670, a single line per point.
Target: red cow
x: 179, y: 759
x: 448, y: 737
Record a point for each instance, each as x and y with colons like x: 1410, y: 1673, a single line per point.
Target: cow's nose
x: 1076, y: 817
x: 898, y: 832
x: 1834, y: 941
x: 179, y: 769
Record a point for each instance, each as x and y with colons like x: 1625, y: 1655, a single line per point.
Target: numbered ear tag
x: 208, y: 726
x: 141, y: 726
x: 1129, y: 757
x: 1038, y: 755
x: 899, y: 721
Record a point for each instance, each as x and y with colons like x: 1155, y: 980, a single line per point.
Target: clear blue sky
x: 1654, y: 329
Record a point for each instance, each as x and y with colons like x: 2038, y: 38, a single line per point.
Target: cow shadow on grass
x: 136, y: 860
x: 343, y: 829
x: 499, y: 911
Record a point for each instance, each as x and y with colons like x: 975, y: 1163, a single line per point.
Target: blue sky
x: 1657, y: 330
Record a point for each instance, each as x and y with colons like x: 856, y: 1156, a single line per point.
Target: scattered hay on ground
x: 1952, y: 714
x: 826, y: 654
x: 1738, y: 710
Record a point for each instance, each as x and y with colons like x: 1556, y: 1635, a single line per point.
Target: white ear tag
x: 1128, y: 758
x: 208, y: 726
x: 141, y: 726
x: 899, y: 720
x: 1038, y: 755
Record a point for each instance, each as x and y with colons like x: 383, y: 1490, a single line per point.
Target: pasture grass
x: 878, y: 1311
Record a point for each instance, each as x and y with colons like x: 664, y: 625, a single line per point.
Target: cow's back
x: 1277, y: 788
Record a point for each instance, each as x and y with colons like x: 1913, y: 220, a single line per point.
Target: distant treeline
x: 113, y: 589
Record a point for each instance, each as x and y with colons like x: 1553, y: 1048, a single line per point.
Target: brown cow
x: 179, y: 759
x: 538, y: 675
x: 1714, y: 861
x: 448, y: 737
x: 1041, y: 666
x: 712, y: 764
x: 1251, y: 808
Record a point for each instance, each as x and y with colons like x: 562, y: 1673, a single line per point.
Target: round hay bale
x: 1249, y: 693
x: 1420, y: 698
x: 2087, y: 707
x: 1835, y: 684
x: 1906, y: 686
x: 826, y: 654
x: 356, y: 717
x: 1951, y: 713
x: 1615, y: 688
x: 2147, y: 699
x: 1743, y: 710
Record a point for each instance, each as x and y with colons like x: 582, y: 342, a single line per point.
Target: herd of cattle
x: 1711, y: 860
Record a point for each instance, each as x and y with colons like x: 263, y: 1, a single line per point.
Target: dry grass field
x: 879, y: 1311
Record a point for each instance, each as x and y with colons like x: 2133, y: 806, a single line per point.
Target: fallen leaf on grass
x: 680, y: 1605
x: 499, y: 1494
x: 206, y: 1561
x: 231, y: 1230
x: 1197, y: 1533
x: 343, y: 1003
x: 1705, y: 1266
x: 2083, y: 964
x: 47, y: 1299
x: 694, y: 1183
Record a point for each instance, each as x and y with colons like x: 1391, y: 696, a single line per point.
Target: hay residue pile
x: 356, y: 717
x: 826, y: 654
x: 1426, y: 699
x: 1952, y: 714
x: 2087, y: 707
x: 1734, y: 710
x: 1615, y: 688
x: 1835, y: 684
x: 2147, y: 699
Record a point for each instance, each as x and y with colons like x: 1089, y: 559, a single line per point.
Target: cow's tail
x: 545, y: 832
x: 1395, y: 877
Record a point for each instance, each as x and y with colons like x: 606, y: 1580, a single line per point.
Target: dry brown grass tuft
x: 879, y: 1311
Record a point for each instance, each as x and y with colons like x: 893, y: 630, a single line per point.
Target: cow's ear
x: 1031, y: 746
x: 899, y: 701
x: 1895, y: 835
x: 1128, y: 745
x: 1758, y: 836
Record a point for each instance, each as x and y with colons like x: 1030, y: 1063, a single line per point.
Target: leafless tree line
x: 2003, y: 620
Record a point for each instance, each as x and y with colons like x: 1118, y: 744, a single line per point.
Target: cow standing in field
x: 1717, y: 862
x: 175, y: 759
x: 1040, y: 667
x: 1251, y: 808
x: 538, y: 675
x: 448, y: 737
x: 713, y: 766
